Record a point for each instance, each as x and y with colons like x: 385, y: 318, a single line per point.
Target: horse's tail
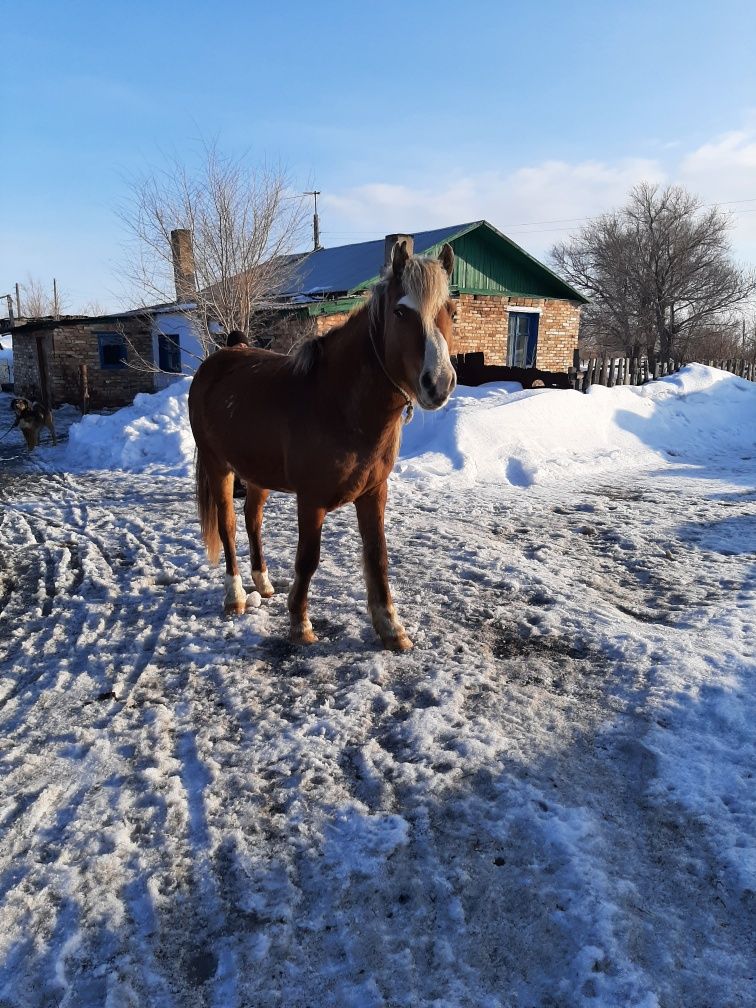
x: 208, y: 511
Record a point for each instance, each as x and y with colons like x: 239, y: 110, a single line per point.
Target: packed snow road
x: 549, y: 802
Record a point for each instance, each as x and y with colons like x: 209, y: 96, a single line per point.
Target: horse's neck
x: 351, y: 362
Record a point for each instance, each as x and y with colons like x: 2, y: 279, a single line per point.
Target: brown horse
x: 324, y: 424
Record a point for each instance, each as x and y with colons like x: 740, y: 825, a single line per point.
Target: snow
x: 550, y: 801
x: 152, y: 433
x: 6, y: 357
x: 483, y: 436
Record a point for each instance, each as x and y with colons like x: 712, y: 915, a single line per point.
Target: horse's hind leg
x: 308, y: 555
x: 253, y: 515
x: 50, y: 424
x: 222, y: 487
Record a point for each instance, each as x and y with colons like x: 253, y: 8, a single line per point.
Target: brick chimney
x: 183, y: 264
x: 388, y: 245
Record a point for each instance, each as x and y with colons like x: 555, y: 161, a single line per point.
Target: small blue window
x: 523, y: 339
x: 112, y: 350
x: 169, y: 352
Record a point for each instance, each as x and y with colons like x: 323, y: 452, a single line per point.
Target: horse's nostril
x: 426, y: 381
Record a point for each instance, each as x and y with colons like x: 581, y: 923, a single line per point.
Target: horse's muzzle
x: 435, y: 390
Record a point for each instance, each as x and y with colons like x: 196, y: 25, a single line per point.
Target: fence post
x: 84, y: 387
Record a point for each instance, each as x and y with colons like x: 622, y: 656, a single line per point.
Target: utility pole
x: 18, y: 302
x: 56, y: 306
x: 315, y: 221
x: 9, y: 299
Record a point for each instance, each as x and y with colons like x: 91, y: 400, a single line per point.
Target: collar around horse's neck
x: 409, y: 406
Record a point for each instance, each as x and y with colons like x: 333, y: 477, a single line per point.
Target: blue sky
x: 406, y: 115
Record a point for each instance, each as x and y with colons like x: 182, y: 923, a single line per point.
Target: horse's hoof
x: 400, y: 642
x: 262, y: 584
x: 235, y: 608
x: 303, y: 637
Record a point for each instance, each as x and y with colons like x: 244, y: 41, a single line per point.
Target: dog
x: 236, y: 338
x: 31, y: 417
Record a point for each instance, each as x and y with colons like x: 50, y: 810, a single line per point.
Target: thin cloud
x: 541, y: 203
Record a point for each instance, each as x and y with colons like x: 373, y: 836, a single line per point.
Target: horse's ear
x: 399, y: 257
x: 446, y: 258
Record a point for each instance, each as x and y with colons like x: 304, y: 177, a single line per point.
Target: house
x: 510, y: 307
x: 106, y: 359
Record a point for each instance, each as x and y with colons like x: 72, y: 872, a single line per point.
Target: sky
x: 406, y: 116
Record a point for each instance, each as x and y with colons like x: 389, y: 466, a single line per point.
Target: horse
x: 323, y: 423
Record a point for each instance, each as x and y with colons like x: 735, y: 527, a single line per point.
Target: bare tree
x: 240, y: 227
x: 93, y: 308
x: 39, y: 301
x: 659, y: 273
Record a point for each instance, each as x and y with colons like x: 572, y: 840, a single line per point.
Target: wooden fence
x: 611, y: 371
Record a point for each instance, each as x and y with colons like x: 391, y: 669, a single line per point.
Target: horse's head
x: 418, y: 324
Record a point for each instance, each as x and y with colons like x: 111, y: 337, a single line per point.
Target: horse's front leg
x: 308, y: 556
x: 235, y: 600
x: 370, y: 511
x: 253, y: 516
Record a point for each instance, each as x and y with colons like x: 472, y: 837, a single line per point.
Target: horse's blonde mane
x: 424, y: 280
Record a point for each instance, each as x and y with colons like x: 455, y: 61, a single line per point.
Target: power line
x: 564, y: 221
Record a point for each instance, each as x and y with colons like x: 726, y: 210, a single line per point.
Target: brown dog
x: 31, y: 417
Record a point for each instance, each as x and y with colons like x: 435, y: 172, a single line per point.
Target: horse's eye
x: 454, y: 316
x: 398, y: 312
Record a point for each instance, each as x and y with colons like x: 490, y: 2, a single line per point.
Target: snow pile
x: 497, y: 434
x: 152, y: 433
x: 491, y: 435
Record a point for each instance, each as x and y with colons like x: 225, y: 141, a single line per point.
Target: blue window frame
x: 113, y: 353
x: 522, y: 345
x: 169, y: 352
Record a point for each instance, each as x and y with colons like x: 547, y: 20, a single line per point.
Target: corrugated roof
x: 341, y: 269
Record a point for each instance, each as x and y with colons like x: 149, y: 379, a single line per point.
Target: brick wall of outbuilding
x: 67, y: 347
x: 483, y: 326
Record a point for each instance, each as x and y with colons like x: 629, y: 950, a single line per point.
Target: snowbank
x: 152, y: 434
x: 495, y: 434
x: 491, y: 435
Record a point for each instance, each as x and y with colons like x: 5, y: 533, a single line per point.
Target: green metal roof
x: 486, y: 261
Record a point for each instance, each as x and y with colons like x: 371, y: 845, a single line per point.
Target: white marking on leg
x: 386, y: 622
x: 262, y: 583
x: 235, y: 594
x: 301, y: 630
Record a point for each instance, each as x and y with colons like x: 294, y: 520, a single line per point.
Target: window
x: 112, y: 350
x: 169, y: 352
x: 523, y: 339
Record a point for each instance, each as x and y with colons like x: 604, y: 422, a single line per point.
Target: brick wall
x: 483, y: 327
x: 67, y: 347
x: 324, y: 323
